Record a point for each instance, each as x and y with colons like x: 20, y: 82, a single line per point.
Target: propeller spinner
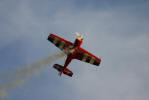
x: 79, y: 36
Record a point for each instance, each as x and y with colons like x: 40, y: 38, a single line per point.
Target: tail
x: 62, y: 69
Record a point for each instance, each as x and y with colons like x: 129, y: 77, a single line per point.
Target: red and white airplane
x: 73, y: 51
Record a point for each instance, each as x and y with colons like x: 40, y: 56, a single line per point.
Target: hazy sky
x: 115, y: 30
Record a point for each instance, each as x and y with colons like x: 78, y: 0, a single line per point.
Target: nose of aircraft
x: 79, y: 36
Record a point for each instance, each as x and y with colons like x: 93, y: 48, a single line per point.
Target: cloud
x: 118, y: 34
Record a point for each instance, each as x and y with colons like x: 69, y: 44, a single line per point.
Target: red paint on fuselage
x: 76, y: 47
x: 78, y: 42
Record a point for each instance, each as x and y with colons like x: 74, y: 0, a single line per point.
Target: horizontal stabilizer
x: 58, y: 67
x: 68, y: 72
x: 64, y: 71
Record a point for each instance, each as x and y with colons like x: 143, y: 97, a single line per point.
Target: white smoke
x: 13, y: 79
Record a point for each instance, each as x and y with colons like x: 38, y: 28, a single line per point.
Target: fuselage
x: 73, y: 51
x: 78, y: 42
x: 77, y: 45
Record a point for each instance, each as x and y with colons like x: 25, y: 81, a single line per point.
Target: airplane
x: 73, y: 51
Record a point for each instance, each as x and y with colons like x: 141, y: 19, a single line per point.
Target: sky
x: 117, y: 31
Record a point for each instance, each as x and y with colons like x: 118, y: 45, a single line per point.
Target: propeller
x: 79, y: 35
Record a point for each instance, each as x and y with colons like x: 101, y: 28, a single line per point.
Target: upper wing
x: 59, y: 42
x: 88, y: 57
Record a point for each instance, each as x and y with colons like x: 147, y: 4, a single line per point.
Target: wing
x: 85, y: 56
x: 59, y: 42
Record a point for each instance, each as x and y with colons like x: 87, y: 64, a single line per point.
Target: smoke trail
x: 16, y: 78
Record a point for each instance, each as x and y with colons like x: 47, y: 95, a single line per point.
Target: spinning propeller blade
x: 77, y: 34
